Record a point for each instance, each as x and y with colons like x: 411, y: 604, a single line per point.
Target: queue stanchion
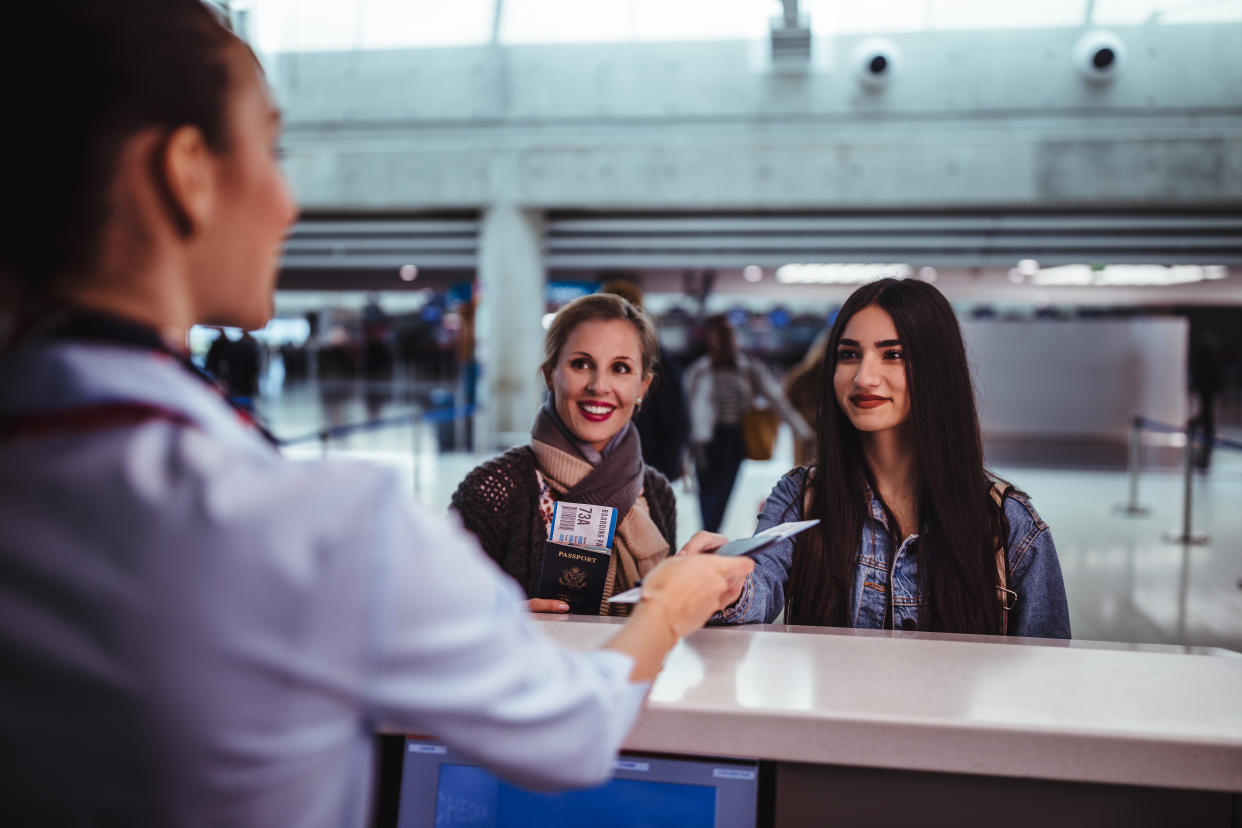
x: 1133, y: 507
x: 324, y: 437
x: 1186, y: 536
x: 414, y: 448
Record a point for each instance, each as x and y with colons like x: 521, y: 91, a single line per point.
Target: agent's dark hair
x: 104, y: 71
x: 961, y: 527
x: 602, y: 306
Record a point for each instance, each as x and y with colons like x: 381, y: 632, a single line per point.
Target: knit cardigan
x: 499, y: 503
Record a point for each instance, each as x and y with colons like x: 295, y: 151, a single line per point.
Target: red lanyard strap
x: 99, y: 417
x: 66, y: 322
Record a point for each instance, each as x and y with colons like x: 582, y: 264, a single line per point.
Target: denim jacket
x: 1035, y: 573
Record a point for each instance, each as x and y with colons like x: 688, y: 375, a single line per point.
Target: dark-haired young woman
x: 194, y: 630
x: 915, y: 533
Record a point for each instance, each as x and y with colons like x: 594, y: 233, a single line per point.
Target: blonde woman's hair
x: 602, y: 306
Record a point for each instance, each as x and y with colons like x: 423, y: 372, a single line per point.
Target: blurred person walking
x: 195, y: 631
x: 599, y: 360
x: 721, y: 386
x: 1205, y: 379
x: 663, y: 422
x: 235, y: 364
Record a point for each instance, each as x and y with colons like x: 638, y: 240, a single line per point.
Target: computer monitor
x: 441, y: 788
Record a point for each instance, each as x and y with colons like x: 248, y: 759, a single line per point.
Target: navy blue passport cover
x: 575, y: 575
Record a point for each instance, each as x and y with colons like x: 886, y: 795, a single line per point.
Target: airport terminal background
x: 1067, y: 172
x: 1124, y: 580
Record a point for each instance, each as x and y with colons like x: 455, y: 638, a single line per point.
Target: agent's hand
x: 692, y: 588
x: 701, y: 542
x: 548, y: 605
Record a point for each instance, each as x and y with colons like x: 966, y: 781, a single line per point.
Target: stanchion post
x: 414, y: 448
x: 1133, y: 508
x: 1185, y: 535
x: 324, y: 436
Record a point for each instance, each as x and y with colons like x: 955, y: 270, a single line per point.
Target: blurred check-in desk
x: 861, y: 727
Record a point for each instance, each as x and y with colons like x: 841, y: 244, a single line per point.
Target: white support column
x: 508, y: 330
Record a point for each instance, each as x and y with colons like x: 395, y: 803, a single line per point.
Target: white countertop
x: 1076, y: 711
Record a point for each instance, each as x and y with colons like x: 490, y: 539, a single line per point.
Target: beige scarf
x: 638, y: 545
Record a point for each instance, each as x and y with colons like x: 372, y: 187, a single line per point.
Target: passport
x: 576, y: 555
x: 575, y: 575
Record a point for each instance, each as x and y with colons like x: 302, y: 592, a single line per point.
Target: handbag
x: 759, y: 427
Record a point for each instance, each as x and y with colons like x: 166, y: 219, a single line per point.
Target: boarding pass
x: 583, y: 524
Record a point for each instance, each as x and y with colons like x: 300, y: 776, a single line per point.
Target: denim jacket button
x: 909, y: 624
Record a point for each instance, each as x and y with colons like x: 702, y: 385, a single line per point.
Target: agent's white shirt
x: 194, y: 630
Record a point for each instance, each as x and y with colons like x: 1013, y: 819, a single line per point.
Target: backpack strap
x: 1006, y: 595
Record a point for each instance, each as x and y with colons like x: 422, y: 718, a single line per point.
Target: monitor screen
x: 439, y: 788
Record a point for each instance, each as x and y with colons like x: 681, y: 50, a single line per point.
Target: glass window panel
x: 390, y: 24
x: 315, y: 25
x: 834, y: 16
x: 610, y: 21
x: 1011, y: 14
x: 703, y: 19
x: 332, y: 25
x: 1134, y: 12
x: 565, y: 21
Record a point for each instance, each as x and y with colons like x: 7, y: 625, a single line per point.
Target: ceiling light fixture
x: 841, y: 273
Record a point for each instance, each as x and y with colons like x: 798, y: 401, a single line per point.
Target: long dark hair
x: 960, y: 526
x: 104, y: 71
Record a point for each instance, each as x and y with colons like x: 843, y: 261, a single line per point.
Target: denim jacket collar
x: 876, y: 509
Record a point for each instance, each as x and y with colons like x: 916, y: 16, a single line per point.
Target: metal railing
x: 414, y: 418
x: 1194, y: 437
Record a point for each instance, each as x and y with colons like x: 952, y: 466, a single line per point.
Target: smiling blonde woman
x: 600, y: 358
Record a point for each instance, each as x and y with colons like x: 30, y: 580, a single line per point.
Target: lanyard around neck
x: 70, y: 323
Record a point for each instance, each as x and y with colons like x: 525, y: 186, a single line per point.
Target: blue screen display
x: 470, y: 797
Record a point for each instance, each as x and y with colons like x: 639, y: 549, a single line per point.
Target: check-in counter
x: 861, y: 727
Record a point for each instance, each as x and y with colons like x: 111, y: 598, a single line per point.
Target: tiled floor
x: 1125, y: 581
